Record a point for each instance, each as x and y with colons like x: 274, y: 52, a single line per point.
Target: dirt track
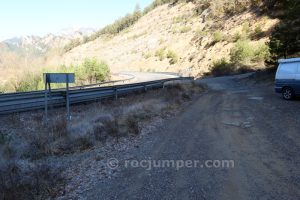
x: 232, y: 121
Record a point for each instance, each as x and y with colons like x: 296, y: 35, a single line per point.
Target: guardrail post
x: 46, y: 99
x: 67, y: 98
x: 145, y: 88
x: 116, y: 93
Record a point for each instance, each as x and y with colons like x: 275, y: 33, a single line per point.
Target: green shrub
x: 217, y: 36
x: 147, y: 55
x: 242, y: 52
x: 185, y: 29
x: 178, y: 19
x: 157, y: 3
x: 92, y: 71
x: 2, y: 89
x: 222, y: 67
x: 160, y: 53
x: 74, y: 43
x: 201, y: 33
x: 262, y: 52
x: 246, y: 28
x: 258, y: 32
x: 174, y: 30
x: 239, y: 36
x: 172, y: 56
x: 28, y: 82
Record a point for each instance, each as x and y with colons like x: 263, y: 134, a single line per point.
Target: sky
x: 40, y: 17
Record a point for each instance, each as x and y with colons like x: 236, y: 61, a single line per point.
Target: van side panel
x: 286, y: 77
x: 297, y: 80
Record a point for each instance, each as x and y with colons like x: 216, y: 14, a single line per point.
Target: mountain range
x: 26, y: 53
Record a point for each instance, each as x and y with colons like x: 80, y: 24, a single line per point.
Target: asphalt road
x: 246, y: 123
x: 148, y: 76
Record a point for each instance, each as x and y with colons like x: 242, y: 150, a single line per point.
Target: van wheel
x: 287, y: 93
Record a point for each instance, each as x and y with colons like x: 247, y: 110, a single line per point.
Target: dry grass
x: 26, y: 141
x: 24, y: 181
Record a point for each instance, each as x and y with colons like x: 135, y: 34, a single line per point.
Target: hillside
x: 179, y: 29
x: 191, y: 37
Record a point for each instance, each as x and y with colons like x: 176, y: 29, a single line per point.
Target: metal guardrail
x: 26, y: 101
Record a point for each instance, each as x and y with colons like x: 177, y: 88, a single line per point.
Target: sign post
x: 58, y: 78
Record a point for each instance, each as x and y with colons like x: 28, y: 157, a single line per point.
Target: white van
x: 287, y: 79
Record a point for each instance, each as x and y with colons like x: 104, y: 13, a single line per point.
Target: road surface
x: 148, y: 76
x: 232, y: 121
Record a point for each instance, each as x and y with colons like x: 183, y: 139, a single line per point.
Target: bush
x: 222, y: 67
x: 92, y: 71
x: 28, y: 82
x: 242, y: 52
x: 201, y: 33
x: 246, y: 28
x: 160, y: 53
x: 185, y: 29
x: 172, y: 56
x: 258, y: 32
x: 2, y: 89
x: 39, y: 182
x: 218, y: 8
x: 179, y: 19
x: 133, y: 125
x: 217, y: 37
x: 147, y: 55
x: 262, y: 52
x: 157, y: 3
x: 240, y: 36
x: 74, y: 43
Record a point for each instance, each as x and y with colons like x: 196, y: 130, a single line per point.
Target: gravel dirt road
x: 244, y: 122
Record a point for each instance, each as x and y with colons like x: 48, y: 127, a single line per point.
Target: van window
x: 288, y: 68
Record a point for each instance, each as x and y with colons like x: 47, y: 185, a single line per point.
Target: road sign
x: 58, y: 78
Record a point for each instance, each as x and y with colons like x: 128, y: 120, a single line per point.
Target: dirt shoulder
x: 235, y: 120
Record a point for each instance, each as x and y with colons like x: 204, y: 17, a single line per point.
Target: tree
x: 92, y: 71
x: 285, y: 38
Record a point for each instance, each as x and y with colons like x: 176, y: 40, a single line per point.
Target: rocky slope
x: 171, y: 37
x: 177, y: 28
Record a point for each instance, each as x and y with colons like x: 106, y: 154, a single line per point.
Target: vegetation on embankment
x: 119, y: 25
x: 285, y: 38
x: 90, y: 71
x: 185, y: 36
x: 192, y: 37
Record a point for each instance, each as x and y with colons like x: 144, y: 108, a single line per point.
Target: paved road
x: 148, y: 76
x: 232, y: 121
